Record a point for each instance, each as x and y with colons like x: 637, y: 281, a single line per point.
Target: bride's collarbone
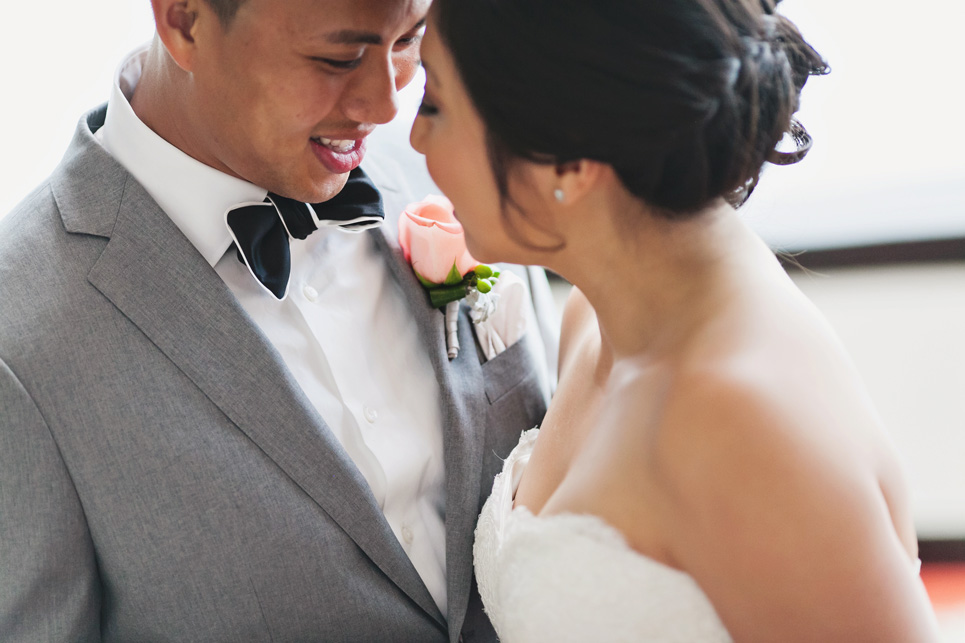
x: 568, y: 424
x: 591, y: 456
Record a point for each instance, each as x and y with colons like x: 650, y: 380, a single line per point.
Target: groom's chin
x: 317, y: 188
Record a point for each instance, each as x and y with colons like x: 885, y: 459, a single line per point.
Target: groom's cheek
x: 406, y: 68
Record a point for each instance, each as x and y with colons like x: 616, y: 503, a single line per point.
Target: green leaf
x: 454, y: 276
x: 425, y: 282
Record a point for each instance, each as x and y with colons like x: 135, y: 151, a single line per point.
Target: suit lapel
x: 158, y: 280
x: 463, y: 405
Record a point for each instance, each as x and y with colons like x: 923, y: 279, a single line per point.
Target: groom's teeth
x: 337, y: 145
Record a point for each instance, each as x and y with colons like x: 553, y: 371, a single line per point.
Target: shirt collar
x: 195, y: 196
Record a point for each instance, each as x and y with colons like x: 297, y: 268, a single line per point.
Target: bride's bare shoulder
x: 775, y: 501
x: 740, y: 423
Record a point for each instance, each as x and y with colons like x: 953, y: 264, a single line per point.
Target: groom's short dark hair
x: 225, y: 9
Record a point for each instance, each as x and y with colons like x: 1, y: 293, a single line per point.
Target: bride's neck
x: 653, y: 280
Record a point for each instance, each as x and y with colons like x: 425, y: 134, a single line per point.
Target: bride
x: 711, y: 468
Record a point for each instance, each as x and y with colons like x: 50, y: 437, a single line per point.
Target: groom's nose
x: 372, y: 96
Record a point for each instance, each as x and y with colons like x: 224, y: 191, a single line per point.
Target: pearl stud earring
x: 559, y: 195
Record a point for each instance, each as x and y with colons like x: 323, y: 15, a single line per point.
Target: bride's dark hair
x: 685, y: 99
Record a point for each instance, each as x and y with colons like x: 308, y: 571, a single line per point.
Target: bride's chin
x: 502, y: 251
x: 488, y: 257
x: 480, y: 253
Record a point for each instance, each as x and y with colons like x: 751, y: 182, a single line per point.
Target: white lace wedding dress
x: 572, y: 577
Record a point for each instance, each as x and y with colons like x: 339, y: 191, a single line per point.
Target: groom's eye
x: 408, y: 40
x: 413, y: 36
x: 341, y: 65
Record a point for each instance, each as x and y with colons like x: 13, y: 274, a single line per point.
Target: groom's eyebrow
x: 355, y: 37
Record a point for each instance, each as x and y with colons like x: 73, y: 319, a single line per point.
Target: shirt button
x: 407, y: 535
x: 370, y: 414
x: 310, y: 293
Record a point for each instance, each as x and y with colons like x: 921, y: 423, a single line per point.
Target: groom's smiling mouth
x: 340, y: 146
x: 339, y: 154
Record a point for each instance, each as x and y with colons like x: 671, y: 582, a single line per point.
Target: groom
x: 187, y: 454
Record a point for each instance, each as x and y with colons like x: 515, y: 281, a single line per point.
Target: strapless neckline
x: 573, y: 577
x: 570, y: 577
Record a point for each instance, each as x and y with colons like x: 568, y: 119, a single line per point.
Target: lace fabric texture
x: 571, y: 577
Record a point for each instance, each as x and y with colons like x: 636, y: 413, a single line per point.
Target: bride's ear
x: 570, y: 182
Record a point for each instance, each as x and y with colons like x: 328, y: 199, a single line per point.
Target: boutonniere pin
x: 434, y: 244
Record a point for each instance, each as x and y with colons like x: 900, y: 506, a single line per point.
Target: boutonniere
x: 434, y: 244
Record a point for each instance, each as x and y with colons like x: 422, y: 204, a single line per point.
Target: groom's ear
x: 177, y: 27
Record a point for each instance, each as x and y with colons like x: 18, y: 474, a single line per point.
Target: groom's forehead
x: 339, y: 14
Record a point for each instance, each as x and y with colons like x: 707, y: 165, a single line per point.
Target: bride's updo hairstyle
x: 685, y: 99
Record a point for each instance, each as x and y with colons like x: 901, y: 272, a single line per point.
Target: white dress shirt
x: 343, y: 331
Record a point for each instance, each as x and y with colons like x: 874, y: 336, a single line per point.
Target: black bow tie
x: 261, y: 230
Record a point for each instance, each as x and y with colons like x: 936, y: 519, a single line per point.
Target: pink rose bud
x: 433, y: 241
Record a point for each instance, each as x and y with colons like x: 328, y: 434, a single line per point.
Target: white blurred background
x: 887, y: 165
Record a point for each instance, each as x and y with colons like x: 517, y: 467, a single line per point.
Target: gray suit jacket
x: 162, y: 475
